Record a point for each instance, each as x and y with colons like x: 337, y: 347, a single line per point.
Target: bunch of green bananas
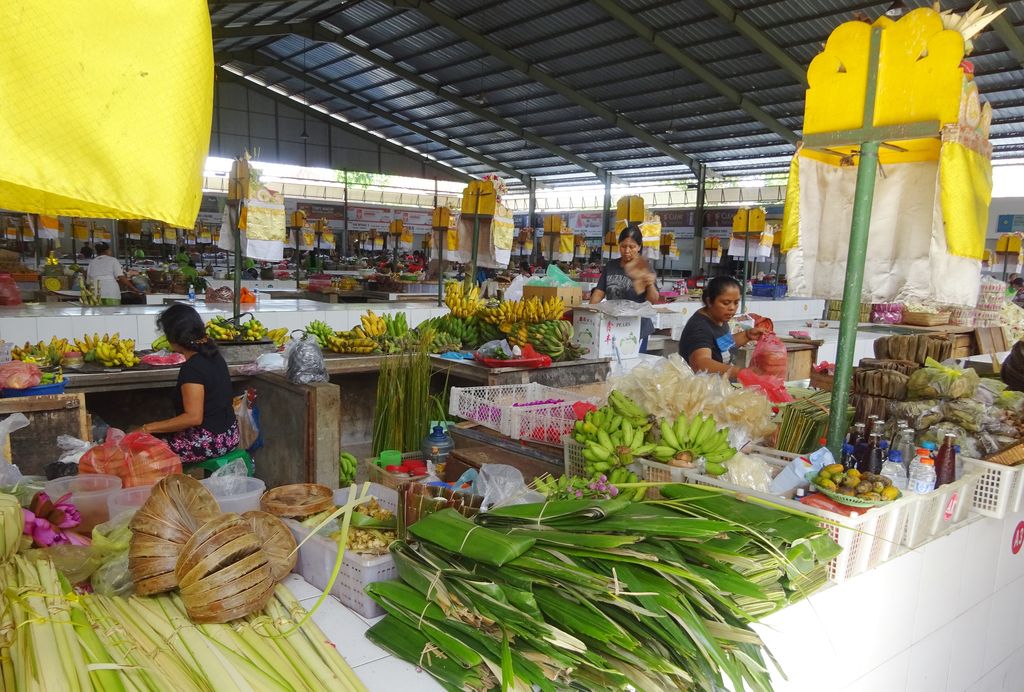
x: 161, y: 344
x: 685, y: 439
x: 253, y: 330
x: 466, y: 330
x: 395, y: 326
x: 346, y: 469
x: 489, y: 332
x: 613, y: 435
x: 222, y: 329
x: 321, y: 331
x: 551, y: 337
x: 444, y: 342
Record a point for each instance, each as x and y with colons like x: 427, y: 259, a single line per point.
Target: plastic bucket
x: 89, y: 494
x: 236, y: 493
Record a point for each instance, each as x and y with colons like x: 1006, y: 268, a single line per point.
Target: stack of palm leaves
x: 599, y: 594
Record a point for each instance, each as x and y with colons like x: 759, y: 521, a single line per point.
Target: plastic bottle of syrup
x: 871, y: 459
x: 945, y: 461
x: 860, y: 448
x: 894, y: 471
x: 848, y: 461
x: 922, y: 477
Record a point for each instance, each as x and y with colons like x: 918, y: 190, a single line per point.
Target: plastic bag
x: 112, y: 536
x: 988, y: 390
x: 770, y: 357
x: 773, y: 387
x: 967, y: 413
x: 19, y: 375
x: 76, y: 562
x: 306, y: 362
x: 248, y: 430
x: 13, y: 422
x: 937, y: 433
x: 267, y: 362
x: 137, y: 458
x: 942, y: 381
x: 553, y: 276
x: 920, y: 414
x: 112, y: 578
x: 9, y: 293
x: 72, y: 449
x: 515, y: 289
x: 229, y: 479
x: 503, y: 485
x: 748, y: 472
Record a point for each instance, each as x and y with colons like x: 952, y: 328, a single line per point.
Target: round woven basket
x: 176, y: 507
x: 222, y: 571
x: 297, y: 501
x: 277, y: 542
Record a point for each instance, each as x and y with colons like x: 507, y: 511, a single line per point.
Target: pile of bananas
x: 354, y: 341
x: 160, y: 344
x: 465, y: 329
x: 461, y: 303
x: 517, y: 333
x: 613, y: 435
x: 395, y: 326
x: 346, y: 283
x: 253, y: 330
x: 113, y: 352
x: 346, y: 469
x: 554, y: 338
x: 43, y: 354
x: 279, y: 336
x: 373, y: 324
x: 322, y: 331
x: 685, y: 439
x: 532, y: 311
x: 223, y: 329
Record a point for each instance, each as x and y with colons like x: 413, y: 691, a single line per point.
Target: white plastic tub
x: 236, y: 494
x: 89, y: 494
x: 128, y: 499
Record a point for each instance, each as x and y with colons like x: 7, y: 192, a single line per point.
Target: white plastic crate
x: 495, y: 407
x: 998, y: 489
x: 318, y: 554
x: 867, y: 539
x: 572, y: 454
x: 657, y: 472
x: 942, y: 510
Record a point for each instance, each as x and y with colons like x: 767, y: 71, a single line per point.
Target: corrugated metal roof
x: 582, y: 47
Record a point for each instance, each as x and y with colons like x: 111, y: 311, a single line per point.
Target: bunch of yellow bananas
x: 532, y: 311
x: 279, y: 336
x: 461, y: 303
x: 42, y: 353
x: 89, y: 342
x: 373, y: 324
x: 117, y: 353
x: 221, y: 329
x: 354, y: 341
x: 517, y: 334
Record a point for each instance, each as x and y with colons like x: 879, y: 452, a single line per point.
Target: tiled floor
x: 379, y: 670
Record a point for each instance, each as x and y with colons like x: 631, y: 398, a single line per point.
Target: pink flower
x: 45, y: 521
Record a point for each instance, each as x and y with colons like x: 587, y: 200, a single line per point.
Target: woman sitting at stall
x: 205, y: 425
x: 706, y: 341
x: 629, y: 278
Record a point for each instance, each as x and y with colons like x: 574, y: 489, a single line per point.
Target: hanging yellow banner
x: 80, y: 232
x: 106, y: 127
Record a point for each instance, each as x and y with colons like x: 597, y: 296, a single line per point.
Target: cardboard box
x: 606, y: 337
x: 570, y: 295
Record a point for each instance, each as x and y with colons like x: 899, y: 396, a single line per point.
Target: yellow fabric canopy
x: 106, y: 108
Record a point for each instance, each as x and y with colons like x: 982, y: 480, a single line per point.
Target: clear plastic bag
x: 13, y: 422
x: 248, y: 430
x: 112, y: 578
x: 230, y: 478
x: 76, y: 562
x: 503, y: 485
x: 72, y: 449
x: 921, y: 414
x: 942, y: 381
x: 966, y: 413
x: 113, y: 536
x: 306, y: 362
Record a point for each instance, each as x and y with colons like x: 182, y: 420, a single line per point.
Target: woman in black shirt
x: 629, y: 278
x: 706, y: 340
x: 205, y: 425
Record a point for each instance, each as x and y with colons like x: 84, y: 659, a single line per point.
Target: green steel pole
x: 863, y: 198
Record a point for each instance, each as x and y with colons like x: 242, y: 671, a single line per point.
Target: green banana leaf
x: 454, y: 532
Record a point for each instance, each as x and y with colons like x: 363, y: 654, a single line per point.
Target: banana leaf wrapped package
x: 921, y: 414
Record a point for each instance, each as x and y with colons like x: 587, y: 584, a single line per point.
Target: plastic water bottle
x: 191, y: 293
x: 256, y: 294
x: 894, y: 471
x: 904, y: 442
x: 922, y: 478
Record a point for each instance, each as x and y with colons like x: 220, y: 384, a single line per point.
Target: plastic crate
x: 38, y: 390
x: 572, y: 455
x: 768, y: 290
x: 942, y: 510
x: 657, y: 472
x: 998, y: 489
x: 494, y: 407
x: 867, y: 540
x: 318, y: 554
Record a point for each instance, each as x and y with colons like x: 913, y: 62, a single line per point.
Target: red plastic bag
x: 773, y: 387
x: 17, y: 374
x: 137, y: 458
x: 770, y: 357
x: 9, y: 293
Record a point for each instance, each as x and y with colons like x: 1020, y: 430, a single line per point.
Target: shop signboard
x: 1010, y: 223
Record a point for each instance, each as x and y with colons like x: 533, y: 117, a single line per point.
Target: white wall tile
x: 1010, y: 567
x: 891, y: 676
x: 939, y: 586
x: 967, y: 656
x: 982, y: 554
x: 18, y: 330
x: 929, y: 661
x: 1003, y: 625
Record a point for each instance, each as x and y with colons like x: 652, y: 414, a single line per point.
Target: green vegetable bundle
x: 599, y: 594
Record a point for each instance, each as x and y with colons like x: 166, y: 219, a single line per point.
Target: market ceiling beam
x: 649, y: 34
x: 264, y: 61
x: 760, y: 39
x: 227, y: 75
x: 545, y: 78
x: 1006, y: 31
x: 320, y: 33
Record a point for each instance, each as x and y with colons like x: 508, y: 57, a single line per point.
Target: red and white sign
x: 1018, y: 538
x: 950, y: 510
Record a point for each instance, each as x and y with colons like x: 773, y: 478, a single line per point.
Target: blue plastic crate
x: 768, y: 291
x: 55, y: 388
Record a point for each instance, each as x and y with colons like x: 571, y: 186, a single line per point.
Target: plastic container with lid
x: 236, y: 493
x: 437, y: 445
x: 389, y: 457
x: 89, y: 494
x: 128, y: 499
